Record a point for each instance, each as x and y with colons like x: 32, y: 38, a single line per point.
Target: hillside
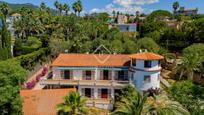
x: 16, y: 6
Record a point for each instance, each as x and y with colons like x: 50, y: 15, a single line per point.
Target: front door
x: 104, y: 93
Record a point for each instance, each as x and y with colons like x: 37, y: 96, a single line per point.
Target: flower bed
x: 31, y: 84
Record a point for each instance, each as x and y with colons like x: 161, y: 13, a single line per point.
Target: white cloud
x: 110, y: 7
x: 127, y: 3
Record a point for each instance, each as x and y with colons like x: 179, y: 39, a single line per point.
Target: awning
x: 93, y: 68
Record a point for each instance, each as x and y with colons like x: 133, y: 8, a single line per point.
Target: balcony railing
x: 109, y: 83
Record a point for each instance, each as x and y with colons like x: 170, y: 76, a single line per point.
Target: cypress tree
x: 5, y: 42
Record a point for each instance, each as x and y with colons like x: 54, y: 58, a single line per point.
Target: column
x: 112, y: 93
x: 113, y: 74
x: 96, y: 74
x: 95, y: 93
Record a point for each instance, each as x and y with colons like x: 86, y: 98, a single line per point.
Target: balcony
x: 106, y: 83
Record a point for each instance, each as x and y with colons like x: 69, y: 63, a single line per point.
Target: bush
x: 30, y: 60
x: 188, y: 94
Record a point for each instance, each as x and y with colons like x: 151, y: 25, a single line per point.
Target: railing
x: 109, y: 83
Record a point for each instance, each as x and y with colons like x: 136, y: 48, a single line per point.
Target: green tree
x: 175, y: 6
x: 77, y: 7
x: 4, y: 8
x: 188, y: 94
x: 130, y: 102
x: 73, y: 104
x: 5, y: 43
x: 66, y: 8
x: 43, y: 6
x: 161, y: 105
x: 12, y: 76
x: 147, y: 44
x: 192, y: 60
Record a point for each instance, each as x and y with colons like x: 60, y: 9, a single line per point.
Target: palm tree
x: 66, y: 8
x: 161, y: 105
x: 190, y: 63
x: 74, y: 7
x: 77, y: 7
x: 130, y: 102
x: 57, y: 5
x: 43, y: 6
x: 175, y: 6
x: 73, y: 104
x: 4, y: 8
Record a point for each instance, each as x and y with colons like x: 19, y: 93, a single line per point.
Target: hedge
x: 30, y: 60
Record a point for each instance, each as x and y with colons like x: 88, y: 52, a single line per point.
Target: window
x: 147, y: 64
x: 105, y: 74
x: 88, y: 92
x: 88, y: 75
x: 159, y: 63
x: 123, y: 75
x: 66, y: 74
x: 147, y: 79
x: 133, y: 62
x: 104, y: 93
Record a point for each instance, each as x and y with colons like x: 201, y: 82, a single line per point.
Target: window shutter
x: 109, y: 93
x: 92, y: 92
x: 83, y: 74
x: 92, y: 75
x: 71, y: 74
x: 109, y: 74
x: 83, y: 91
x: 99, y: 93
x: 101, y: 74
x: 62, y: 73
x: 116, y: 75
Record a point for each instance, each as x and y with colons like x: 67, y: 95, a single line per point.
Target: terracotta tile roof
x: 91, y: 60
x: 146, y: 56
x: 42, y: 102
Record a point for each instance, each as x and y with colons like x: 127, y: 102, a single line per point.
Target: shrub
x: 31, y: 84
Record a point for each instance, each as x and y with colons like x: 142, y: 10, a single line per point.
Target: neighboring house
x: 10, y: 20
x: 186, y: 12
x: 125, y: 27
x: 122, y: 19
x: 100, y: 76
x: 42, y: 102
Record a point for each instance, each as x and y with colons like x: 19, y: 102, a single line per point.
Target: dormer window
x: 147, y: 64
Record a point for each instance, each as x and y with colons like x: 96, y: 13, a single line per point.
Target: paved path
x: 33, y: 77
x: 164, y: 81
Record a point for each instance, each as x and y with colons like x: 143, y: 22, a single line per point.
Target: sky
x: 125, y: 6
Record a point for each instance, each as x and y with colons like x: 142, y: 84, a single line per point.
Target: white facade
x: 145, y: 78
x: 100, y: 84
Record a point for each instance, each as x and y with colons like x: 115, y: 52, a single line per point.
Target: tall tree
x: 43, y: 6
x: 175, y: 6
x: 4, y: 9
x: 5, y: 43
x: 73, y: 104
x: 57, y: 5
x: 77, y: 7
x: 66, y: 8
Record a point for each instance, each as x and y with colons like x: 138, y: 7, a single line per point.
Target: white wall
x: 140, y: 65
x: 141, y: 71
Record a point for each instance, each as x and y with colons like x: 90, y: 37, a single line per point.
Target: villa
x: 100, y: 76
